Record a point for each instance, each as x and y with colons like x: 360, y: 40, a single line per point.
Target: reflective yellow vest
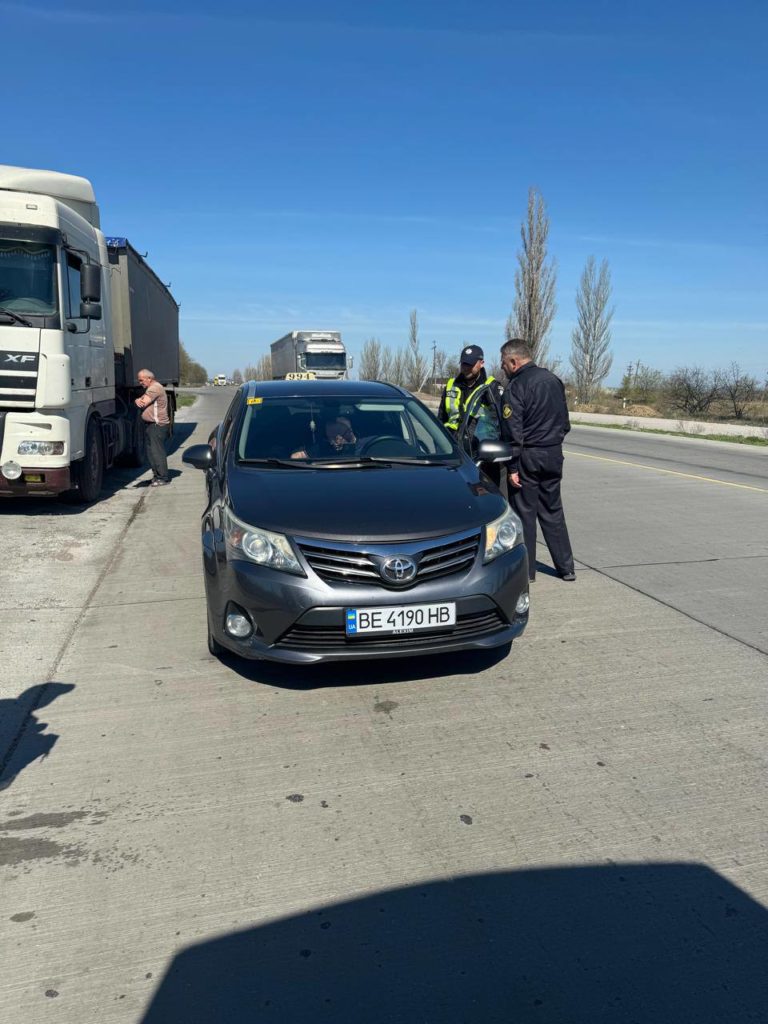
x: 454, y: 408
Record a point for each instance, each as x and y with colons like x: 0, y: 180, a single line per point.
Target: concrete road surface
x: 572, y: 833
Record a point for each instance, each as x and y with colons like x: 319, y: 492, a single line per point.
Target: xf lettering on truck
x: 20, y: 359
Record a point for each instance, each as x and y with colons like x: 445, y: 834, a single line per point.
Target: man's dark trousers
x: 541, y: 470
x: 157, y: 435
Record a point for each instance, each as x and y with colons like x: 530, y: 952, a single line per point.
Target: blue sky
x: 332, y: 164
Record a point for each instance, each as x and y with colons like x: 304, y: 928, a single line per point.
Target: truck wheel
x: 90, y: 470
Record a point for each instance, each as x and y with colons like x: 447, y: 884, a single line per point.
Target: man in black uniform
x: 535, y: 417
x: 472, y: 386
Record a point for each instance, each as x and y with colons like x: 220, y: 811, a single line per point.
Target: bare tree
x: 370, y: 360
x: 416, y: 367
x: 399, y: 368
x: 692, y: 389
x: 535, y: 279
x: 386, y: 364
x: 738, y: 388
x: 237, y: 377
x: 591, y: 356
x: 261, y: 370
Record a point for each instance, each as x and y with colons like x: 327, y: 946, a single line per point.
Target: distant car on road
x: 343, y: 521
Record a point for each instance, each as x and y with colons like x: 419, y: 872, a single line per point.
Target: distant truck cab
x: 220, y: 379
x: 310, y: 355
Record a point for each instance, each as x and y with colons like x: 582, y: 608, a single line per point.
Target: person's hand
x: 139, y: 402
x: 514, y: 479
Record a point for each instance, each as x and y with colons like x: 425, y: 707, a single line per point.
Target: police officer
x: 472, y: 384
x: 535, y: 418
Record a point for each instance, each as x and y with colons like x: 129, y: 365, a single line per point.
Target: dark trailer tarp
x: 145, y: 318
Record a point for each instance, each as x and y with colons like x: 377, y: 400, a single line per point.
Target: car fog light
x: 11, y: 470
x: 523, y: 603
x: 238, y: 625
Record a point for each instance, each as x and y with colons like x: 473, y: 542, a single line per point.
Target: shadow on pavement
x: 632, y: 944
x: 23, y: 738
x: 366, y: 673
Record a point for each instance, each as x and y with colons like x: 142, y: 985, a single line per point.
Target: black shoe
x: 569, y: 577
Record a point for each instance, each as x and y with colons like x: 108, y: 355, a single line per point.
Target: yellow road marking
x: 669, y: 472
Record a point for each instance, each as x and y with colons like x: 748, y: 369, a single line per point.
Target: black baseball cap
x: 470, y: 355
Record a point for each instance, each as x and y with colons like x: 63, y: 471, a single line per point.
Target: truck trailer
x: 80, y: 315
x: 314, y: 354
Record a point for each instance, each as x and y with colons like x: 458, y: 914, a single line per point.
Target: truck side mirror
x: 90, y: 284
x: 90, y: 311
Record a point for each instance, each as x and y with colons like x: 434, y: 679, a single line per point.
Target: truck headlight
x: 261, y: 546
x: 41, y: 448
x: 502, y: 535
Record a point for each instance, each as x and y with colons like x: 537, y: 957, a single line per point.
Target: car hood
x: 395, y: 503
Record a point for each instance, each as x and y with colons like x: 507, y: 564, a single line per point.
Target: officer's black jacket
x: 491, y: 396
x: 535, y: 411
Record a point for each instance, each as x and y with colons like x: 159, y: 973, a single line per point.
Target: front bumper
x: 35, y: 480
x: 301, y: 620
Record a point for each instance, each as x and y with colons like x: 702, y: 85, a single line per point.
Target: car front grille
x: 358, y: 565
x: 328, y: 638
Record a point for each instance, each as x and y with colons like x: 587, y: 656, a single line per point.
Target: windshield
x: 325, y: 361
x: 28, y: 277
x: 317, y: 430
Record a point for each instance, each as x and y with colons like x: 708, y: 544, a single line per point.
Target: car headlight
x: 260, y: 546
x: 41, y: 448
x: 502, y: 535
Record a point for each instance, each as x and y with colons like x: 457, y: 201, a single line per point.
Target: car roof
x: 322, y: 389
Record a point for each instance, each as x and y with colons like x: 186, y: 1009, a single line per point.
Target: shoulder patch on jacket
x: 506, y: 411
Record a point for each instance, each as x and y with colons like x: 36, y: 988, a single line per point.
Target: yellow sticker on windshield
x: 254, y: 401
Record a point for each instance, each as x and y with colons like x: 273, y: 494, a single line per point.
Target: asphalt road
x: 573, y: 833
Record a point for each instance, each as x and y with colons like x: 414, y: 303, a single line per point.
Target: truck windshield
x: 28, y: 277
x: 326, y: 361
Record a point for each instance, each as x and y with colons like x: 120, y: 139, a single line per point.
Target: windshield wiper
x: 280, y: 463
x: 361, y: 462
x: 404, y: 461
x: 16, y: 317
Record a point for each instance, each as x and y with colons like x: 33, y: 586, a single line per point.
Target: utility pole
x: 434, y: 360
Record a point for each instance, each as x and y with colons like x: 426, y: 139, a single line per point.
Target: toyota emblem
x: 398, y: 569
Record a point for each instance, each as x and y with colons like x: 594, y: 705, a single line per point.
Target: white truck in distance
x: 220, y: 380
x: 80, y: 315
x: 319, y: 354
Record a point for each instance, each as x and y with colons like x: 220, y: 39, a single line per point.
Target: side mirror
x: 199, y: 455
x: 90, y: 311
x: 90, y: 283
x: 493, y: 451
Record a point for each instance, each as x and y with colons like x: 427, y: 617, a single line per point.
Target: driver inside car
x: 337, y: 438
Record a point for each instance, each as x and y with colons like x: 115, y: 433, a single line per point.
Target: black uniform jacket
x: 535, y: 413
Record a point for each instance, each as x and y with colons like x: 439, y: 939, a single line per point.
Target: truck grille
x: 16, y: 386
x: 356, y: 565
x: 327, y: 638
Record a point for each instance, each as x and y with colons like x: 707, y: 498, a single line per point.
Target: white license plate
x: 404, y: 618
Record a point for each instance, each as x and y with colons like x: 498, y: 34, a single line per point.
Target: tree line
x: 693, y: 390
